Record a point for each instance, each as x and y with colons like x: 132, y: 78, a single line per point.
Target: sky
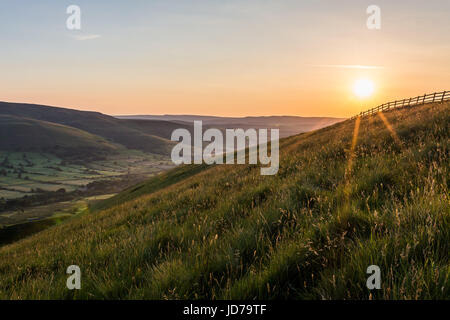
x: 222, y: 57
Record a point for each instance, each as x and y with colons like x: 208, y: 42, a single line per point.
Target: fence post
x: 406, y: 102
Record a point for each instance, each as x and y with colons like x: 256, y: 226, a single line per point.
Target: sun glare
x: 363, y: 88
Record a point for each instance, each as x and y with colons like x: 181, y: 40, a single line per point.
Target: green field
x: 54, y: 210
x: 346, y: 197
x: 27, y: 173
x: 39, y: 218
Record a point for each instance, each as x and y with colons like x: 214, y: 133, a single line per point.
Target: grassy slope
x: 159, y: 182
x: 115, y: 130
x: 23, y: 134
x: 308, y: 232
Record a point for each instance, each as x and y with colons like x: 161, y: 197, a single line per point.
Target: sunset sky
x: 222, y: 57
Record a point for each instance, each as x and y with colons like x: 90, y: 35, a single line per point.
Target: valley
x: 32, y: 184
x: 50, y: 156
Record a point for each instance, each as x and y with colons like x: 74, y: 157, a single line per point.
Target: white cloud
x: 83, y: 37
x: 346, y: 66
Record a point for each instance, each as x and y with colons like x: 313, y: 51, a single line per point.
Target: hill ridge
x: 96, y: 123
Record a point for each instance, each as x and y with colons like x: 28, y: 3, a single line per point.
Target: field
x: 37, y: 219
x: 25, y: 173
x: 40, y: 218
x: 358, y: 193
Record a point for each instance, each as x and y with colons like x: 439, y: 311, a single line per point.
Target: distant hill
x: 147, y: 133
x: 107, y: 127
x: 288, y: 125
x: 160, y: 128
x: 352, y: 195
x: 30, y: 135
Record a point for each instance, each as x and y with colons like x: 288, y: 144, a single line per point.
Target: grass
x: 40, y: 218
x: 340, y: 202
x: 159, y: 182
x: 53, y: 210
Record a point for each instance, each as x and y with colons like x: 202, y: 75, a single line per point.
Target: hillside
x: 29, y: 135
x: 110, y: 128
x: 347, y: 196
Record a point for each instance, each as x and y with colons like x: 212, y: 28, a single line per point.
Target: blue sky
x: 222, y: 57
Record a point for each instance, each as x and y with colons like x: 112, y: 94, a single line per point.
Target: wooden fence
x: 426, y: 98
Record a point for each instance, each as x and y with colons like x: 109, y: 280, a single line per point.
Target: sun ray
x: 352, y: 148
x: 347, y: 186
x: 390, y: 128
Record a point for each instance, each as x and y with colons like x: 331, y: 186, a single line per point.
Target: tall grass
x: 310, y: 232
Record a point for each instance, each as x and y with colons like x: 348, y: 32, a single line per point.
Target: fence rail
x: 426, y: 98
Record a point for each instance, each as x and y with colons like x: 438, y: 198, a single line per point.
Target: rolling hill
x: 147, y: 133
x: 362, y: 192
x: 107, y: 127
x: 288, y: 125
x: 29, y: 135
x: 160, y: 128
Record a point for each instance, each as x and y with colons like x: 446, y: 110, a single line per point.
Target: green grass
x: 159, y: 182
x: 227, y: 232
x: 41, y: 218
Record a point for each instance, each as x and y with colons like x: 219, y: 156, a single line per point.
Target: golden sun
x: 363, y: 88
